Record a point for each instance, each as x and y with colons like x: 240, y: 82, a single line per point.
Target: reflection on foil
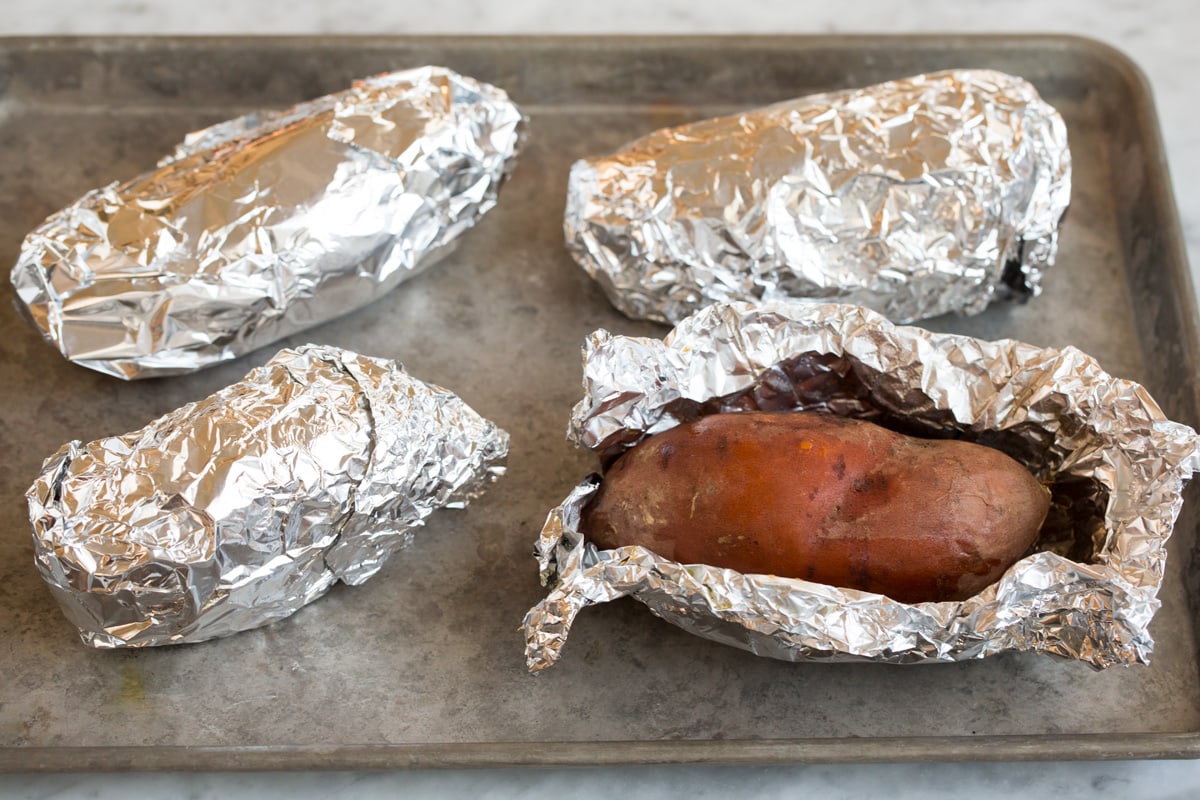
x: 1097, y: 440
x: 268, y: 224
x: 239, y: 509
x: 916, y: 197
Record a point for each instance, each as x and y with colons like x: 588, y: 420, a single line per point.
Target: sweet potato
x: 823, y: 498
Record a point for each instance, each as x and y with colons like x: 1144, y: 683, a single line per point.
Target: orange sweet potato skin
x: 823, y: 498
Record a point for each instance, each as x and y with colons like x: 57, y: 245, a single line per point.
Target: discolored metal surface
x: 423, y: 665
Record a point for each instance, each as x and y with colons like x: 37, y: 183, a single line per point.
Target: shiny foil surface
x: 236, y: 511
x: 1087, y: 592
x: 268, y: 224
x: 917, y: 197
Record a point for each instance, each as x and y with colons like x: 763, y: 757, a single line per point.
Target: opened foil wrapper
x: 1115, y: 465
x: 236, y: 511
x: 268, y: 224
x: 917, y: 197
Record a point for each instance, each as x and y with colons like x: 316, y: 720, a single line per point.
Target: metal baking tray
x: 423, y: 665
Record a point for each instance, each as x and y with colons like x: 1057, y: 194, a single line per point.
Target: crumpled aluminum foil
x: 916, y: 197
x: 1101, y: 443
x: 236, y: 511
x: 268, y: 224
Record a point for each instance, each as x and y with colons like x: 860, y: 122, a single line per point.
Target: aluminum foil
x: 236, y: 511
x: 1089, y: 590
x: 916, y: 197
x: 268, y: 224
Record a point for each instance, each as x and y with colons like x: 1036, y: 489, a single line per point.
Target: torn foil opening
x: 1115, y: 464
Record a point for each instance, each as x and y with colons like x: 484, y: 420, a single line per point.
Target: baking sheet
x: 423, y: 665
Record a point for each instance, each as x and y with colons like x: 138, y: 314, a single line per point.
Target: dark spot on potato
x: 873, y: 482
x: 972, y: 560
x: 860, y: 573
x: 839, y: 467
x: 665, y: 452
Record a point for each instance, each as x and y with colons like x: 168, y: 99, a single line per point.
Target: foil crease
x: 237, y: 510
x: 1055, y: 410
x: 916, y: 197
x: 268, y: 224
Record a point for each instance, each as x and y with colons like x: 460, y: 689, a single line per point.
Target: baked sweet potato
x: 823, y: 498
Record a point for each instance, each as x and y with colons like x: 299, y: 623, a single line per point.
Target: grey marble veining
x: 1158, y: 36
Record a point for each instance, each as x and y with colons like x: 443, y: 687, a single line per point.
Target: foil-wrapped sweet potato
x: 915, y: 197
x: 237, y: 510
x: 268, y: 224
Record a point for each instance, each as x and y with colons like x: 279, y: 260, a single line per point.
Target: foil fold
x: 1087, y: 592
x: 916, y: 197
x: 268, y: 224
x: 239, y: 509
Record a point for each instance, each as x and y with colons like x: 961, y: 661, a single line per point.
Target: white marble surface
x: 1158, y: 34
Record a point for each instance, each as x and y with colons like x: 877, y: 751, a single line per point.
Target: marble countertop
x: 1157, y: 35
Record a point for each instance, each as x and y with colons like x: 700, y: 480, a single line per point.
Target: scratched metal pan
x: 423, y: 665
